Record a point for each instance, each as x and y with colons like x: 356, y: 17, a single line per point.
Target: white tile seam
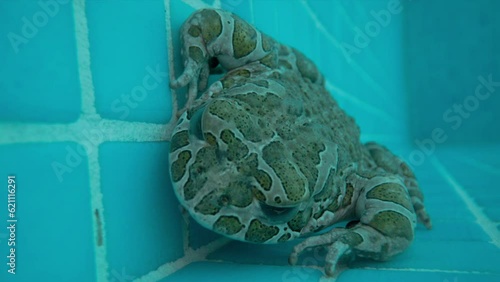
x: 84, y: 130
x: 488, y: 226
x: 190, y: 256
x: 99, y: 224
x: 356, y: 101
x: 83, y: 57
x: 88, y: 109
x: 217, y: 4
x: 197, y: 4
x: 252, y: 14
x: 448, y: 271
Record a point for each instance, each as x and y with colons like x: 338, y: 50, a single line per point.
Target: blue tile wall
x: 38, y: 63
x: 445, y: 55
x: 129, y: 62
x: 53, y: 229
x: 140, y: 212
x: 107, y: 211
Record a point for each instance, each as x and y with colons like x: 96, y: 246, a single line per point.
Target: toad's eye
x: 278, y: 214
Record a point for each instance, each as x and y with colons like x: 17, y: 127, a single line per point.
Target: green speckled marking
x: 306, y: 67
x: 194, y: 31
x: 327, y: 190
x: 299, y: 221
x: 239, y: 194
x: 270, y: 60
x: 244, y: 38
x: 248, y: 165
x: 179, y: 140
x: 283, y: 50
x: 392, y: 224
x: 305, y: 159
x: 259, y: 232
x: 348, y: 195
x: 235, y: 78
x: 391, y: 192
x: 209, y: 204
x: 212, y: 25
x: 292, y: 182
x: 196, y: 54
x: 351, y: 238
x: 266, y: 43
x: 416, y: 193
x: 261, y: 83
x: 228, y: 225
x: 241, y: 72
x: 192, y: 188
x: 285, y: 64
x: 228, y: 111
x: 205, y: 159
x: 261, y: 106
x: 258, y: 194
x: 285, y: 237
x: 210, y: 138
x: 179, y: 166
x: 236, y: 149
x: 406, y: 170
x: 264, y: 179
x: 334, y: 206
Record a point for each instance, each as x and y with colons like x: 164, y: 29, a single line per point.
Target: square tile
x: 38, y: 67
x: 54, y: 217
x: 141, y: 213
x: 129, y: 59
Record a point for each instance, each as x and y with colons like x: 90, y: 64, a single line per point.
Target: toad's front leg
x: 387, y: 222
x: 219, y: 34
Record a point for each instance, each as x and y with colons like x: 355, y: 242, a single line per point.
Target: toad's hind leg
x: 385, y: 228
x: 392, y: 164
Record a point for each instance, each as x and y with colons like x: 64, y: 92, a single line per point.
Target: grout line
x: 252, y: 14
x: 351, y: 98
x: 83, y: 56
x: 217, y: 4
x: 322, y: 28
x: 484, y: 222
x: 98, y: 221
x: 429, y: 270
x: 93, y: 131
x: 89, y: 112
x: 364, y: 75
x: 197, y: 4
x: 190, y: 256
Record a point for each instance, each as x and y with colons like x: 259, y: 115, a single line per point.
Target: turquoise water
x: 85, y: 139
